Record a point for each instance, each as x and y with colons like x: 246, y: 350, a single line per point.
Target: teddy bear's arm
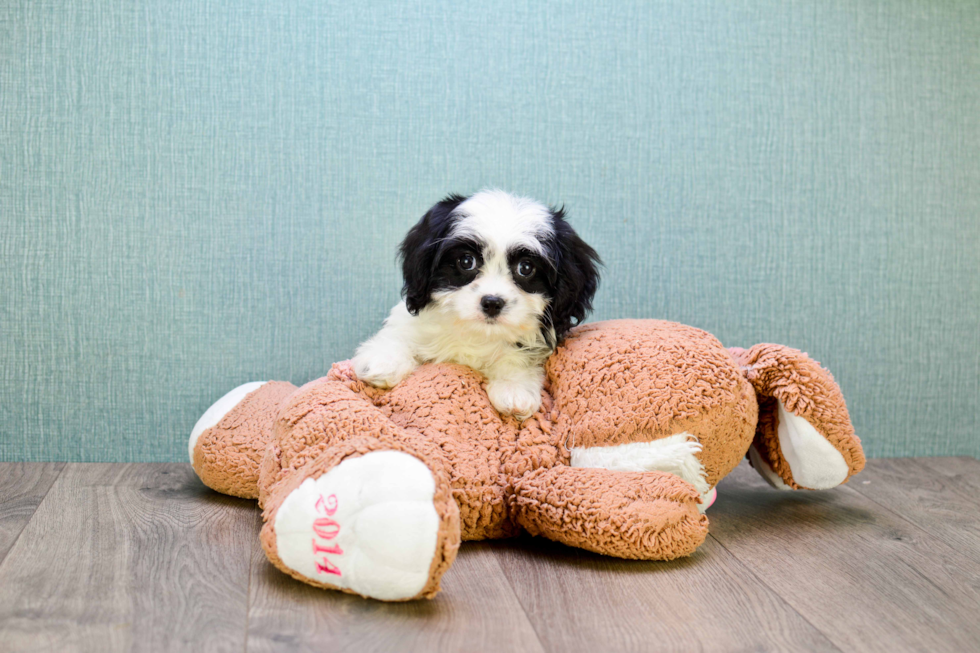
x: 637, y: 515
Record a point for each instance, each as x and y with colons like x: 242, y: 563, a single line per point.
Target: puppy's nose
x: 492, y: 305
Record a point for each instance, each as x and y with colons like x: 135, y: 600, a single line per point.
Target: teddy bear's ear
x: 420, y: 250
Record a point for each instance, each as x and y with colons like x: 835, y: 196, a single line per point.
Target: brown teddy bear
x: 371, y: 491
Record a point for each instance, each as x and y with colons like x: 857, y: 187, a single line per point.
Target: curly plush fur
x: 371, y: 491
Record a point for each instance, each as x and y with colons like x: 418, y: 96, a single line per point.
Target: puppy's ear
x: 576, y: 276
x: 420, y: 249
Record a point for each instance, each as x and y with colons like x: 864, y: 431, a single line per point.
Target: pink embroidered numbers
x: 324, y: 530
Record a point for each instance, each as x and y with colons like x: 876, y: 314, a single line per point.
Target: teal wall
x: 200, y: 193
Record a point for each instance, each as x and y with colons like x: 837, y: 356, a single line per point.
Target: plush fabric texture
x: 228, y: 455
x: 783, y: 374
x: 608, y: 384
x: 646, y: 516
x: 449, y: 532
x: 649, y: 379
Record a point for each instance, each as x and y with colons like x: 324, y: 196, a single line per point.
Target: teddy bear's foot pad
x: 813, y: 461
x: 368, y: 525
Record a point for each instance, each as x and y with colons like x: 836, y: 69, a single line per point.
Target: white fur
x: 453, y: 328
x: 379, y: 514
x: 503, y: 220
x: 676, y: 454
x: 218, y: 410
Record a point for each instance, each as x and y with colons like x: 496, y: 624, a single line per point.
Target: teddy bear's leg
x: 639, y: 515
x: 677, y: 454
x: 227, y: 443
x: 367, y: 516
x: 804, y: 437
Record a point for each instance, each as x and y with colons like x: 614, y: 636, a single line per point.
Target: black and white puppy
x: 493, y: 282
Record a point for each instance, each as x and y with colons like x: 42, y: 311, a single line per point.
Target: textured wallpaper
x: 196, y: 194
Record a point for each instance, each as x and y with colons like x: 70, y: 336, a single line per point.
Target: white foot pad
x: 813, y: 461
x: 368, y: 525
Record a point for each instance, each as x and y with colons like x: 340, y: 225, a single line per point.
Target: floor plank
x: 579, y: 601
x: 129, y: 557
x: 940, y: 495
x: 143, y: 557
x: 869, y: 579
x: 476, y: 611
x: 22, y: 488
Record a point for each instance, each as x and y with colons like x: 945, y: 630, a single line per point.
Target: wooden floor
x: 111, y: 557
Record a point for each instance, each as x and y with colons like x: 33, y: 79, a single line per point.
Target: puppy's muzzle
x: 492, y: 305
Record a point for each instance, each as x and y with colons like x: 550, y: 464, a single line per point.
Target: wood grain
x: 22, y: 488
x: 129, y: 557
x: 143, y: 557
x: 579, y: 601
x: 939, y: 495
x: 476, y: 611
x: 869, y: 579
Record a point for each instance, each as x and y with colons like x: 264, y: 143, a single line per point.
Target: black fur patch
x: 576, y: 278
x: 421, y: 251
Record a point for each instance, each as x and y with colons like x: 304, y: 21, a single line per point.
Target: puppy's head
x: 507, y: 264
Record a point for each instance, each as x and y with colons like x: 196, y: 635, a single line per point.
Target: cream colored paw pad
x: 368, y: 525
x: 813, y: 461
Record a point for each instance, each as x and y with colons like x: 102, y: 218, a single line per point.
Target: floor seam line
x: 517, y: 598
x: 776, y: 593
x: 248, y: 593
x: 33, y: 514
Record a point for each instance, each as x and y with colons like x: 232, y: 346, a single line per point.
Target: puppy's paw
x: 518, y: 398
x: 383, y: 368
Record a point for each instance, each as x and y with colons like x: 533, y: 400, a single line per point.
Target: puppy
x: 493, y: 282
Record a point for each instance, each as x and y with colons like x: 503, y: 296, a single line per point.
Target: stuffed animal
x: 371, y: 491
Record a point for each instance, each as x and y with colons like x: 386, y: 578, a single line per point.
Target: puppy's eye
x: 525, y: 268
x: 466, y: 262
